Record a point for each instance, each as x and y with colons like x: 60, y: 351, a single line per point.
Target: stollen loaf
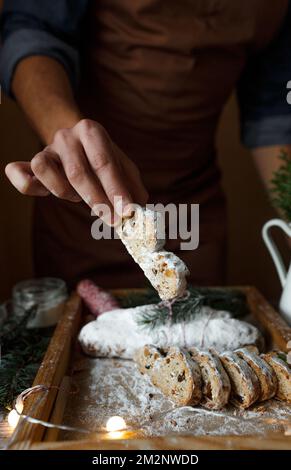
x: 120, y: 332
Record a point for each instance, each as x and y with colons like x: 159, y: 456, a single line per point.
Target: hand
x: 82, y: 163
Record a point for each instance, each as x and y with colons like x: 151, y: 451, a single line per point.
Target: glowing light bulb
x: 115, y: 423
x: 13, y: 419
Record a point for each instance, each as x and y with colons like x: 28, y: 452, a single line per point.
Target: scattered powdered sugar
x: 108, y: 387
x: 118, y: 333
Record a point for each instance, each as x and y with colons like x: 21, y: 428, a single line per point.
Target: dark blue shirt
x: 34, y: 27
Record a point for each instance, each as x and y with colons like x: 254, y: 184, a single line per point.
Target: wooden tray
x: 55, y: 370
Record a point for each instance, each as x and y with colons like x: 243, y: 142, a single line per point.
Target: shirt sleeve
x: 262, y: 93
x: 34, y: 27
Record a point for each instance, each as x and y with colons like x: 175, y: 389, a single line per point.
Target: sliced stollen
x: 278, y: 361
x: 176, y: 375
x: 146, y: 357
x: 215, y: 381
x: 251, y: 348
x: 264, y: 372
x: 245, y: 386
x: 143, y: 235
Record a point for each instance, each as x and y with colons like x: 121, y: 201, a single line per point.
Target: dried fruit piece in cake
x: 215, y: 381
x: 264, y: 372
x: 245, y: 386
x: 278, y: 361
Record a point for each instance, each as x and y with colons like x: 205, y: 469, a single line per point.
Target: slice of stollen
x: 251, y: 348
x: 142, y: 230
x: 178, y: 377
x: 146, y: 357
x: 175, y: 374
x: 215, y: 381
x: 143, y: 236
x: 264, y: 372
x: 166, y: 272
x: 278, y: 361
x: 245, y: 386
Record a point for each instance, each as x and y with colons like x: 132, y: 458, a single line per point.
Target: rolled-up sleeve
x: 34, y: 27
x: 262, y: 93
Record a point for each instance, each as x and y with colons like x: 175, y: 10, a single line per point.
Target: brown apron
x: 156, y: 74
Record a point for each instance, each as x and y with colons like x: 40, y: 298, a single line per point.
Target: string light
x: 13, y: 419
x: 115, y: 423
x: 116, y: 427
x: 14, y: 415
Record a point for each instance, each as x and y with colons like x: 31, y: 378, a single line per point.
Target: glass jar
x: 45, y: 297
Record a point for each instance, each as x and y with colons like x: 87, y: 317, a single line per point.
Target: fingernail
x: 128, y: 209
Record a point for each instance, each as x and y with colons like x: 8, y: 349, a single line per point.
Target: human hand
x: 81, y: 163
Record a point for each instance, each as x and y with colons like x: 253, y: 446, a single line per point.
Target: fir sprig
x: 22, y: 350
x: 184, y: 310
x: 281, y: 186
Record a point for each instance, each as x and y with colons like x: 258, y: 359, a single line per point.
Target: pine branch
x: 281, y: 186
x: 22, y: 350
x: 134, y: 299
x: 12, y: 327
x: 184, y: 310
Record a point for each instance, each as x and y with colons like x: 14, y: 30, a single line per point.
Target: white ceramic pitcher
x: 285, y: 277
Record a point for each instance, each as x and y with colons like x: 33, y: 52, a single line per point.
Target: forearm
x: 267, y: 161
x: 43, y: 90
